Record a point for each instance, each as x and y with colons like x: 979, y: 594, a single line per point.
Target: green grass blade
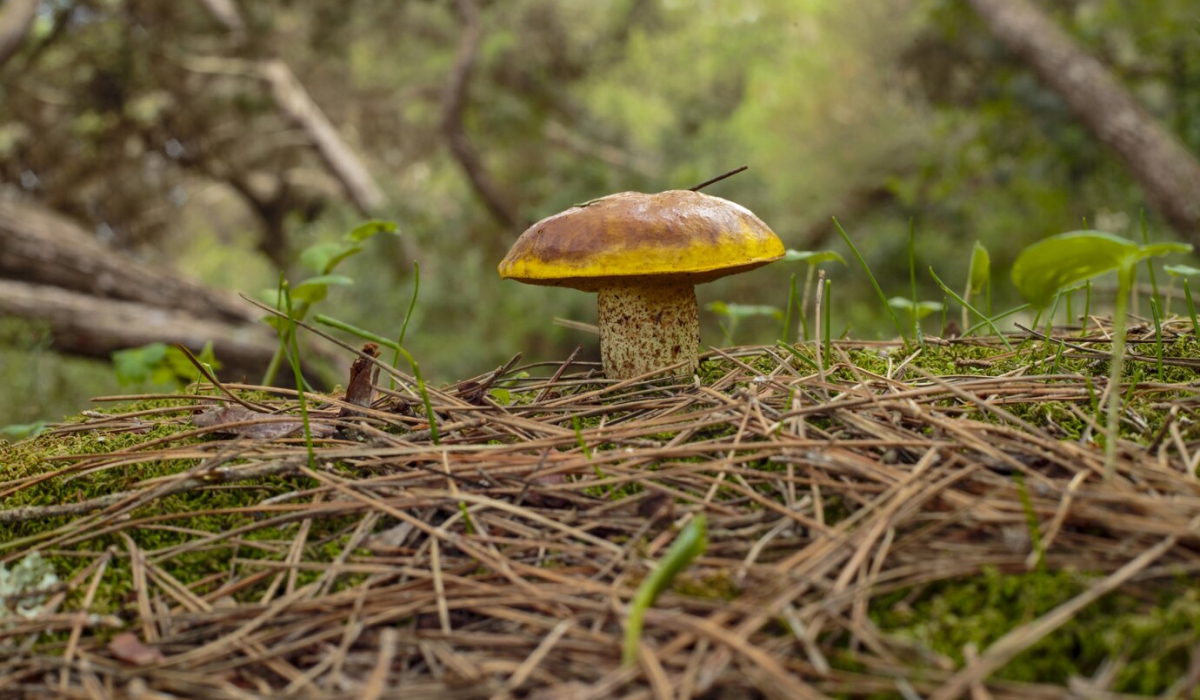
x: 690, y: 543
x: 294, y: 358
x: 412, y: 304
x: 799, y: 355
x: 975, y: 311
x: 416, y: 368
x: 1158, y: 343
x: 1149, y: 261
x: 878, y: 290
x: 825, y: 319
x: 1187, y: 294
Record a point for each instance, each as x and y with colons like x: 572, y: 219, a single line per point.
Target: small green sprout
x: 736, y: 312
x: 916, y: 311
x: 813, y: 258
x: 878, y: 290
x: 20, y: 431
x: 967, y: 305
x: 979, y: 279
x: 321, y: 258
x: 1043, y: 269
x: 690, y: 543
x: 159, y: 363
x: 1175, y: 272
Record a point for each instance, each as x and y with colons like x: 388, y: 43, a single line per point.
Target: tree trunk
x: 294, y: 101
x: 85, y: 325
x: 39, y: 246
x: 16, y: 17
x: 1167, y: 172
x: 454, y: 103
x: 98, y: 301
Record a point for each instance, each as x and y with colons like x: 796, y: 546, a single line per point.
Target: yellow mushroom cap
x: 678, y: 236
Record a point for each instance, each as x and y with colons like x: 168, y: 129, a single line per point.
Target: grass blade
x: 878, y: 290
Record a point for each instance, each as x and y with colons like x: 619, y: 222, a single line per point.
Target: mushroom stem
x: 647, y: 327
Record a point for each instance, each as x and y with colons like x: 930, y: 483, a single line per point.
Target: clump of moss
x: 1156, y: 636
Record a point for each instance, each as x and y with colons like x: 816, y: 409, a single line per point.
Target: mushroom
x: 643, y: 254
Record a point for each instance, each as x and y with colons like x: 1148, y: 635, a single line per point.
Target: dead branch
x: 15, y: 20
x: 1167, y: 172
x: 296, y: 104
x: 227, y: 14
x: 45, y: 248
x: 87, y: 325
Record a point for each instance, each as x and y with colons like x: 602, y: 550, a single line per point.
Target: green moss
x: 1157, y: 636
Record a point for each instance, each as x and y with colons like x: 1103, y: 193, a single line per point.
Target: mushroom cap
x: 673, y: 237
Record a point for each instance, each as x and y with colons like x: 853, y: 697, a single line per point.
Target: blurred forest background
x: 156, y: 157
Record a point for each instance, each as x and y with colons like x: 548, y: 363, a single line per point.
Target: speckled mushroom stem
x: 648, y: 327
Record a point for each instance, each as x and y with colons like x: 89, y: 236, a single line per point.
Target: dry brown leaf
x: 128, y: 648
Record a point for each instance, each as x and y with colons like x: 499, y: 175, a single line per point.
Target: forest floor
x: 890, y: 522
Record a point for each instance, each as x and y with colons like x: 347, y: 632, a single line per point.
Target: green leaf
x: 690, y: 543
x: 20, y: 431
x: 1181, y: 270
x: 322, y: 258
x: 812, y: 257
x: 981, y: 268
x: 922, y: 309
x: 136, y: 365
x: 180, y: 369
x: 1068, y: 258
x: 502, y: 396
x: 367, y: 229
x: 744, y: 310
x: 314, y: 289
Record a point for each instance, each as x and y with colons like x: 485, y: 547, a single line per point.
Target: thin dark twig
x: 718, y: 178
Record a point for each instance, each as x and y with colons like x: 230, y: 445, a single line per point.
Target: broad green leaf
x: 368, y: 229
x: 812, y: 257
x: 136, y: 365
x: 1068, y: 258
x: 314, y: 289
x: 922, y: 309
x: 322, y: 258
x: 744, y: 310
x: 981, y: 268
x: 20, y: 431
x: 1181, y: 270
x: 502, y: 396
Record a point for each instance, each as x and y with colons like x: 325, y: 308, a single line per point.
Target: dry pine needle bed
x: 209, y: 557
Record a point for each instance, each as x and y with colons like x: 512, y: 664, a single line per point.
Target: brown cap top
x: 678, y: 236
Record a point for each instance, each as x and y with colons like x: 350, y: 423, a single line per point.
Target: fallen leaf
x: 264, y: 427
x: 360, y: 391
x: 128, y: 648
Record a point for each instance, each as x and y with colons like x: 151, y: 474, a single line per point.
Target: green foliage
x: 734, y: 313
x: 1181, y: 270
x: 981, y: 269
x: 321, y: 258
x: 1048, y: 266
x: 871, y: 276
x: 159, y: 363
x: 1153, y: 635
x: 1043, y: 269
x: 812, y: 257
x: 914, y: 312
x: 20, y: 431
